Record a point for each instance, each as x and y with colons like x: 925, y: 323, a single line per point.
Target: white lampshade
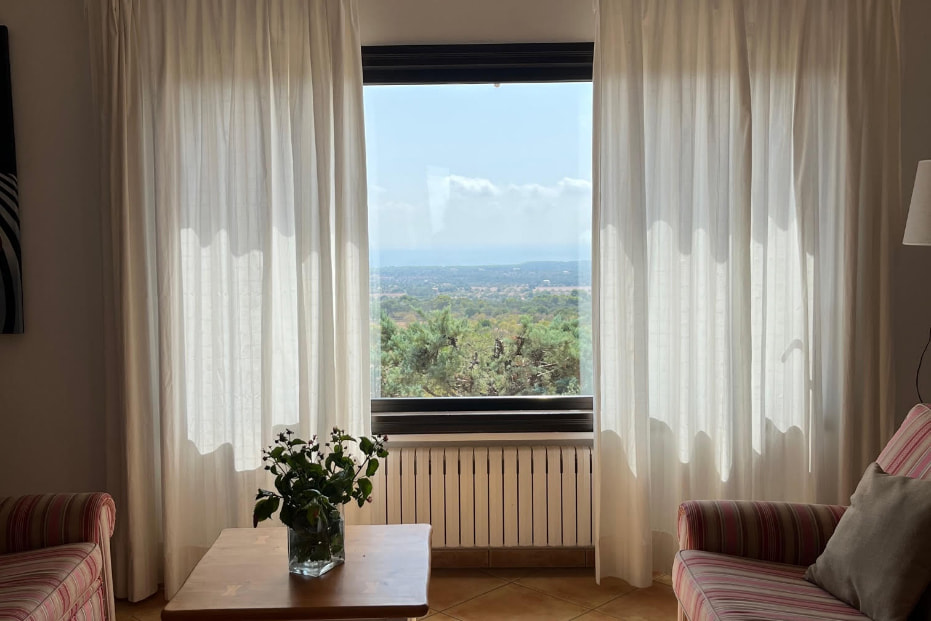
x: 918, y: 227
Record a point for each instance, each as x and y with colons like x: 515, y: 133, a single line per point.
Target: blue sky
x: 478, y: 174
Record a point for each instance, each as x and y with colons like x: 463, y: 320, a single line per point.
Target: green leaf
x: 277, y: 452
x: 286, y: 515
x: 264, y: 509
x: 283, y: 484
x: 372, y: 468
x: 366, y: 445
x: 366, y: 486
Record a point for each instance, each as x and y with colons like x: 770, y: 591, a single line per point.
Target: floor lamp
x: 918, y: 231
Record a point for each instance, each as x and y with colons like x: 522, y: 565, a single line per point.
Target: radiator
x: 489, y: 496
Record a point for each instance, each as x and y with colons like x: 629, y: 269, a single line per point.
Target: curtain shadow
x: 206, y: 493
x: 623, y: 510
x: 778, y: 468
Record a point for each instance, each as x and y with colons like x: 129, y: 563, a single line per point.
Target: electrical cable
x: 918, y: 372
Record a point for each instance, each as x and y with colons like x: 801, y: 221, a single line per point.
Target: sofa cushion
x: 94, y: 609
x: 48, y: 584
x: 720, y: 587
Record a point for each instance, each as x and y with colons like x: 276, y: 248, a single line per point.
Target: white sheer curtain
x: 238, y: 267
x: 746, y: 190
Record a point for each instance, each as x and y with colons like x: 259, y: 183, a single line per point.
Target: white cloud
x: 472, y: 185
x: 472, y: 211
x: 575, y: 185
x: 534, y: 191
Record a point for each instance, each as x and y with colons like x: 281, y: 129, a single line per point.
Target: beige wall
x: 912, y: 301
x: 51, y: 377
x: 475, y: 21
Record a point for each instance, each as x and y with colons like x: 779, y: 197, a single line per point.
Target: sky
x: 473, y: 174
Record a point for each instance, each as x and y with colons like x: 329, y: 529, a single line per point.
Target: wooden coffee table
x: 245, y: 575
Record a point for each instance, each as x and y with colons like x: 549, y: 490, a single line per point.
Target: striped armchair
x: 55, y: 557
x: 747, y: 560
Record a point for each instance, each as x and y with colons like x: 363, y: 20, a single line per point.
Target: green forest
x: 499, y: 332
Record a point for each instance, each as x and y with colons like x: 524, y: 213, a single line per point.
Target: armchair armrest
x: 770, y: 531
x: 32, y: 522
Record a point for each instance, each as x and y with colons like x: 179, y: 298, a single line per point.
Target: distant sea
x: 512, y: 255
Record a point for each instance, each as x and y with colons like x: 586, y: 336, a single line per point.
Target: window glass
x: 480, y: 238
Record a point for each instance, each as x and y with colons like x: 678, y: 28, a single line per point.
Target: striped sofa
x: 741, y: 560
x: 55, y: 557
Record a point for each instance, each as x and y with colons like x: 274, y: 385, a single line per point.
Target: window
x: 479, y: 179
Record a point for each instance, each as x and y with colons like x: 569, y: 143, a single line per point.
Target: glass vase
x: 317, y: 549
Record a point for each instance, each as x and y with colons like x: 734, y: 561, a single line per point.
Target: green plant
x: 313, y: 481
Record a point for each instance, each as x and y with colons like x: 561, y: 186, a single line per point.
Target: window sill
x: 482, y: 415
x: 491, y: 423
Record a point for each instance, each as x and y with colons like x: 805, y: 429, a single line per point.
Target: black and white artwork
x: 11, y: 270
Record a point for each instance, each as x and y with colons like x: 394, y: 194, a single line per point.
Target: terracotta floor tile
x: 656, y: 603
x: 124, y: 611
x: 663, y: 578
x: 594, y: 615
x: 576, y: 585
x: 509, y: 573
x: 449, y: 587
x: 491, y: 595
x: 515, y: 603
x: 149, y: 609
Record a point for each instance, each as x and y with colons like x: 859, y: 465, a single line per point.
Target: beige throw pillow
x: 879, y: 558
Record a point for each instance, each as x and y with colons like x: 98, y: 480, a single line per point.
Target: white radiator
x: 489, y: 496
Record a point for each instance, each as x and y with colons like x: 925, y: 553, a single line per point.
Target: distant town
x: 478, y: 281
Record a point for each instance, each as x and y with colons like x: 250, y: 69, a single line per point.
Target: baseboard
x: 513, y: 557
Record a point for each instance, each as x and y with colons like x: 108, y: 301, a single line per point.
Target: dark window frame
x: 477, y: 63
x: 474, y: 64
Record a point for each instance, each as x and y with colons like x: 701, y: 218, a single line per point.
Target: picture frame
x: 11, y: 269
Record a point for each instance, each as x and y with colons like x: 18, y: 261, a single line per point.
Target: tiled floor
x: 518, y: 594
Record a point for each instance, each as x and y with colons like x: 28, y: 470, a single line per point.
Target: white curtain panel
x: 747, y: 195
x: 237, y: 268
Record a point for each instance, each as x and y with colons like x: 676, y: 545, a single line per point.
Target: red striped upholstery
x: 50, y: 522
x: 30, y: 522
x: 49, y: 584
x: 93, y: 609
x: 720, y: 587
x: 729, y: 566
x: 908, y: 453
x: 770, y: 531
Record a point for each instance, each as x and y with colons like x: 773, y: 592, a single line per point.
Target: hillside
x: 522, y: 329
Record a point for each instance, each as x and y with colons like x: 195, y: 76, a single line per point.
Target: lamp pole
x: 918, y: 233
